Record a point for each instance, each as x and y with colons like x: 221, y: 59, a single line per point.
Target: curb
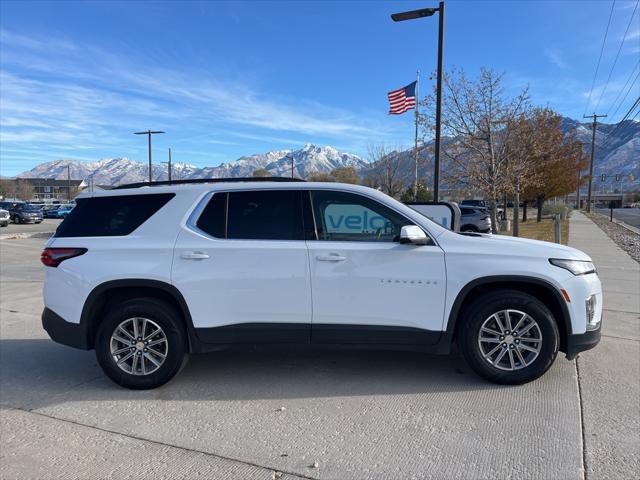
x: 622, y: 224
x: 20, y: 236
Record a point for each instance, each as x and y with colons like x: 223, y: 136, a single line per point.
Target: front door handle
x: 194, y: 256
x: 332, y: 257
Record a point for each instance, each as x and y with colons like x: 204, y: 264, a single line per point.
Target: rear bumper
x: 61, y: 331
x: 584, y: 341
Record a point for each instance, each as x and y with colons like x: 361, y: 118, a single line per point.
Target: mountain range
x: 617, y: 153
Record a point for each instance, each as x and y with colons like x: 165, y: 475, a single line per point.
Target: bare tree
x: 387, y: 173
x: 475, y: 119
x: 23, y: 189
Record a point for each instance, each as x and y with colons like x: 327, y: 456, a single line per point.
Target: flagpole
x: 415, y: 154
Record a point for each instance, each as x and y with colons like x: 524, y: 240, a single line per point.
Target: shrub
x: 563, y: 210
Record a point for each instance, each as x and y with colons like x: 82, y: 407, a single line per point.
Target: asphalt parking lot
x: 47, y: 225
x: 326, y: 415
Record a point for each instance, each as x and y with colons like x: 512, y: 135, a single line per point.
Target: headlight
x: 577, y: 267
x: 593, y: 322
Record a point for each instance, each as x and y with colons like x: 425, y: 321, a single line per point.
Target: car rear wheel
x: 141, y: 343
x: 509, y: 337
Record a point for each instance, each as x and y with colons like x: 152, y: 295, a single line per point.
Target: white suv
x: 147, y: 274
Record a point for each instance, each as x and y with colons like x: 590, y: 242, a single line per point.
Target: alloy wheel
x: 510, y: 340
x: 139, y: 346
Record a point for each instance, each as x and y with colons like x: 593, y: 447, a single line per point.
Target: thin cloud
x: 93, y: 87
x: 554, y: 57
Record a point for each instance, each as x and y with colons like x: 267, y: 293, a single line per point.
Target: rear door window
x: 111, y: 216
x: 254, y: 215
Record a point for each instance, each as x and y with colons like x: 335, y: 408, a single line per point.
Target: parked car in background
x: 475, y: 220
x: 25, y: 213
x: 47, y: 210
x: 4, y: 217
x: 60, y: 211
x: 482, y: 204
x: 475, y: 203
x: 64, y: 211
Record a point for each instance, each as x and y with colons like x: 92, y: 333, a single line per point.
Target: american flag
x: 402, y: 99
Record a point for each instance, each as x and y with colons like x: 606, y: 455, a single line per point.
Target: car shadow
x: 36, y: 373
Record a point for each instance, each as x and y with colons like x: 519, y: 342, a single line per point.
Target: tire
x: 174, y: 349
x: 469, y: 228
x: 16, y: 219
x: 510, y: 369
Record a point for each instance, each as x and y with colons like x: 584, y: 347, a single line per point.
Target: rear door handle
x: 194, y: 256
x: 332, y: 257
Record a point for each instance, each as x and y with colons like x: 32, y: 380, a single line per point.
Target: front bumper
x: 583, y: 341
x: 61, y: 331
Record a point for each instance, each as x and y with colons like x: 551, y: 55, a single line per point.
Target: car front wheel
x: 141, y: 343
x: 509, y: 337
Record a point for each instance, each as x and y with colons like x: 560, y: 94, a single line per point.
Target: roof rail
x: 207, y: 180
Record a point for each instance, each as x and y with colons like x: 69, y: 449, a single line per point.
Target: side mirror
x: 413, y: 234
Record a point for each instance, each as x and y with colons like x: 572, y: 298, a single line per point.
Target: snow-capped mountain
x: 109, y: 171
x: 617, y: 153
x: 116, y: 171
x: 617, y: 150
x: 311, y: 158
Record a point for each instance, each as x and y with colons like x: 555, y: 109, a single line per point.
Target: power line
x: 622, y: 90
x: 618, y: 54
x: 625, y: 96
x: 624, y: 129
x: 609, y: 138
x: 604, y: 40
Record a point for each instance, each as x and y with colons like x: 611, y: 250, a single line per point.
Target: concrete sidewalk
x: 611, y: 407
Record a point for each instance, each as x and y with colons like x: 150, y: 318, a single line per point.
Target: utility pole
x: 169, y: 166
x: 593, y: 149
x: 292, y: 165
x: 149, y: 133
x: 68, y: 183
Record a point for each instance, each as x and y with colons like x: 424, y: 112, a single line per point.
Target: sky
x: 226, y: 79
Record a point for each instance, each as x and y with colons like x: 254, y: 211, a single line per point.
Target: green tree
x: 346, y: 175
x: 424, y: 195
x: 320, y: 177
x: 261, y: 172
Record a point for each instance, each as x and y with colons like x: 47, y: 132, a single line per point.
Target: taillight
x: 52, y: 257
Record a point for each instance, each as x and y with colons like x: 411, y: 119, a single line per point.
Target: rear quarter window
x: 111, y: 216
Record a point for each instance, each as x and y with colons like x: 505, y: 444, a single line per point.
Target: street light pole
x: 427, y: 12
x: 149, y: 133
x: 436, y: 160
